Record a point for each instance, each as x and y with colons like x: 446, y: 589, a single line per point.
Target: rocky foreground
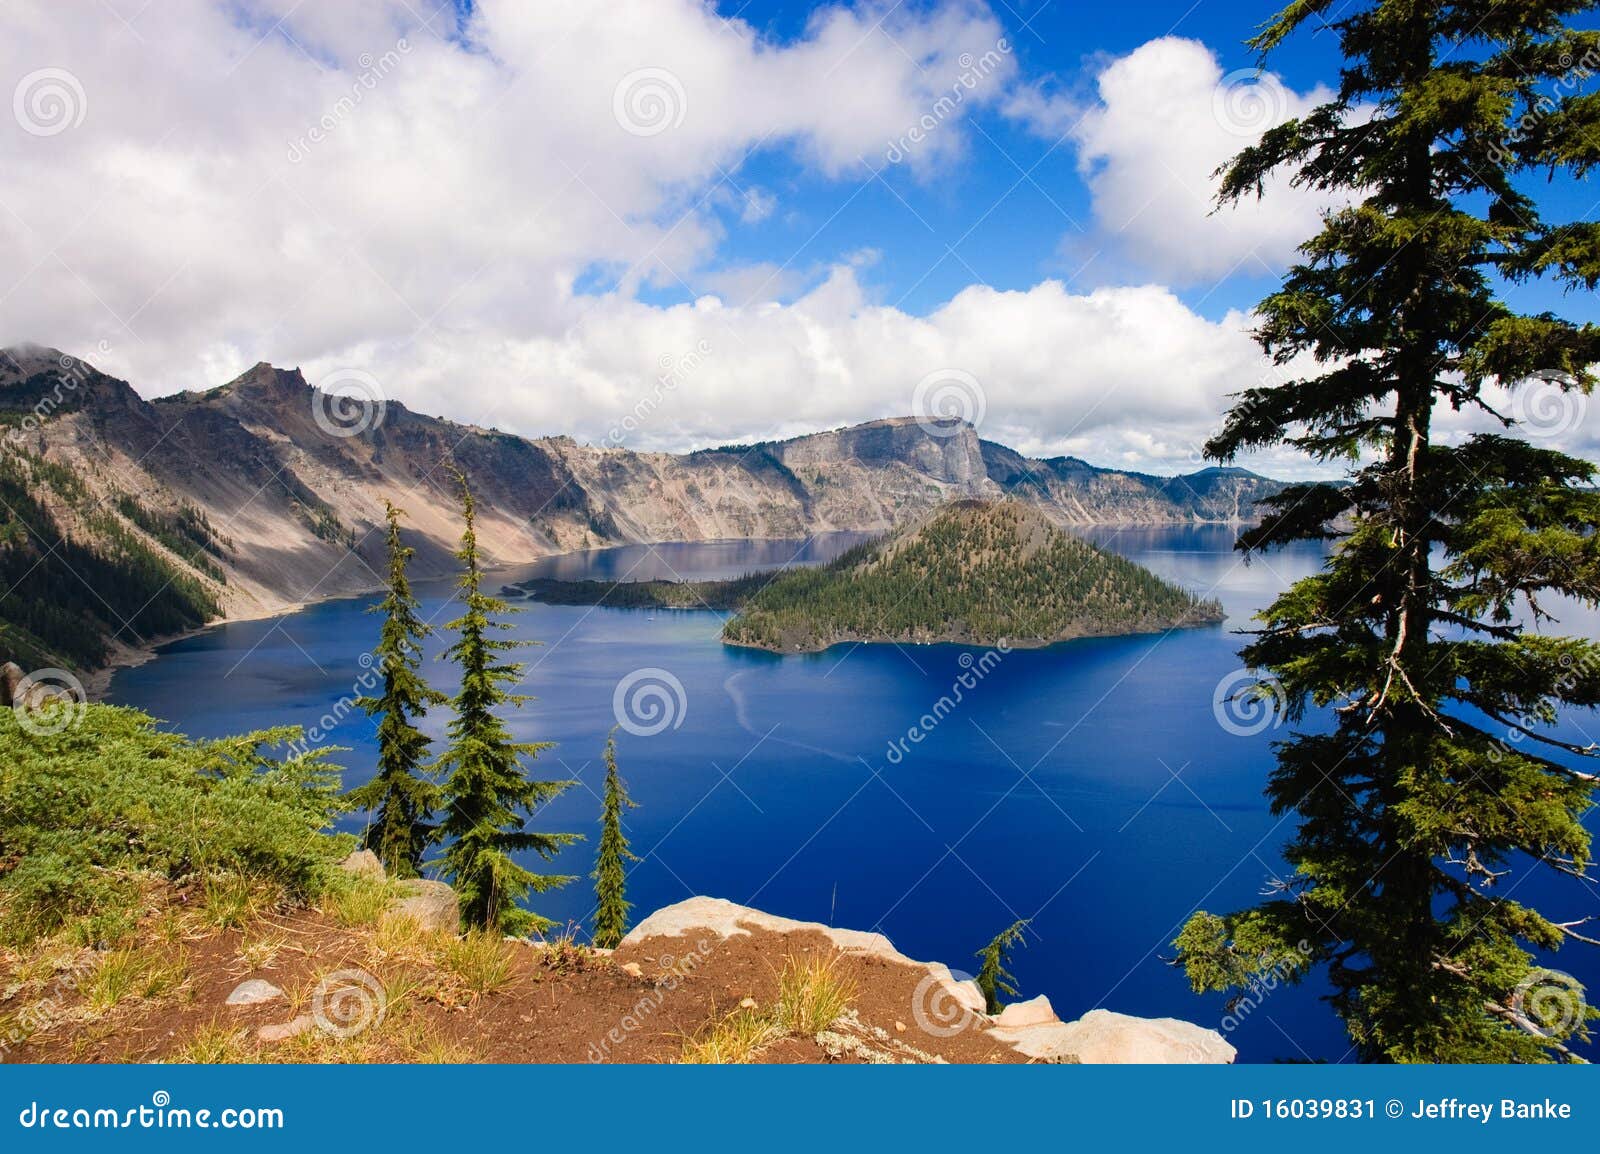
x: 381, y: 974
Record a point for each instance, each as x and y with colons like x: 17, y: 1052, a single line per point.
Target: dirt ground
x: 392, y: 994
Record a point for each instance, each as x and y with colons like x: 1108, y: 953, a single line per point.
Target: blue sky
x: 667, y: 224
x: 1016, y: 209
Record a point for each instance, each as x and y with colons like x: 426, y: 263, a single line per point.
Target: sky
x: 668, y: 224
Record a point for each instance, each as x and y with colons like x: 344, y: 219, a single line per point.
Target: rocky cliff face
x: 293, y: 485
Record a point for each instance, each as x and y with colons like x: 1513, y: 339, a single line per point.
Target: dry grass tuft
x: 481, y: 959
x: 811, y: 995
x: 734, y: 1040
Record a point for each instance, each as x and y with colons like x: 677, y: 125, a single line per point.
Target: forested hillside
x: 975, y: 572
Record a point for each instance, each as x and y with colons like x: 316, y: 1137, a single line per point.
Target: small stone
x: 283, y: 1031
x: 632, y: 969
x: 253, y: 993
x: 748, y: 1004
x: 899, y: 1027
x: 364, y: 864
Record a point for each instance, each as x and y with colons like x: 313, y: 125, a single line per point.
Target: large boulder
x: 432, y: 905
x: 1031, y: 1027
x: 728, y: 919
x: 10, y: 677
x: 1101, y: 1036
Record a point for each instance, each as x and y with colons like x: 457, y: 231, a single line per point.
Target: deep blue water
x: 1088, y: 786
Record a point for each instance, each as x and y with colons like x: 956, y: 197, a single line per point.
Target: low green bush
x: 87, y: 813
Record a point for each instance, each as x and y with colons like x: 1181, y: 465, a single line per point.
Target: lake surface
x: 1088, y: 786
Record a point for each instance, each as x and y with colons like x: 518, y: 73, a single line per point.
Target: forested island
x: 974, y: 572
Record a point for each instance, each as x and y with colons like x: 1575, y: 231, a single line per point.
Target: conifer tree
x: 993, y: 977
x: 487, y: 799
x: 610, y: 876
x: 400, y: 796
x: 1436, y: 777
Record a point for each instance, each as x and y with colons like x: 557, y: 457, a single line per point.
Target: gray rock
x: 253, y: 992
x: 432, y: 905
x: 364, y: 864
x: 283, y: 1031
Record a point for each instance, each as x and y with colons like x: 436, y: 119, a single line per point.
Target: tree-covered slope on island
x: 974, y: 572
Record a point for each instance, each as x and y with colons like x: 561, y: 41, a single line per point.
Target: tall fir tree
x: 1438, y: 772
x: 610, y: 871
x: 487, y: 799
x: 401, y: 797
x: 993, y: 977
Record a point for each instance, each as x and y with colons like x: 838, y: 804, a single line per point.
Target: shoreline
x: 97, y: 681
x: 1007, y: 644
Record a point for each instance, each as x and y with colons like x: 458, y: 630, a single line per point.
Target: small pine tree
x: 485, y: 793
x: 993, y: 977
x: 400, y: 796
x: 611, y: 906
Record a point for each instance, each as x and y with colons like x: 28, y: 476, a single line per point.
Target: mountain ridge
x: 297, y: 503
